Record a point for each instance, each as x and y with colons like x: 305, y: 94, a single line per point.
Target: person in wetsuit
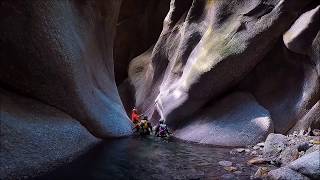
x: 161, y: 129
x: 145, y: 126
x: 135, y: 118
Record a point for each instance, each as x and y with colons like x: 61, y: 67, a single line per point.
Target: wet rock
x: 230, y: 168
x: 225, y: 163
x: 303, y: 146
x: 240, y: 150
x: 285, y: 173
x: 228, y: 177
x: 289, y: 154
x: 308, y: 165
x: 274, y: 145
x: 261, y: 172
x: 257, y: 160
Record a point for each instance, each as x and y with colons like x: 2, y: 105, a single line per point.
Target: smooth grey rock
x: 225, y: 163
x: 308, y: 165
x: 274, y: 145
x: 35, y: 137
x: 236, y: 120
x: 287, y: 85
x: 311, y: 119
x: 285, y: 173
x: 315, y: 55
x: 313, y: 149
x: 288, y: 155
x: 61, y: 53
x: 301, y: 34
x: 228, y: 177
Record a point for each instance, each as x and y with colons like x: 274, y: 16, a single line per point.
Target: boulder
x: 285, y: 173
x: 36, y: 138
x: 236, y: 120
x: 308, y: 165
x: 274, y: 145
x: 225, y: 163
x: 288, y: 155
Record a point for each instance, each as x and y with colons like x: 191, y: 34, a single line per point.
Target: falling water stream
x: 152, y: 158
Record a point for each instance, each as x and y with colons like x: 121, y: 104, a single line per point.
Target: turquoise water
x: 152, y: 158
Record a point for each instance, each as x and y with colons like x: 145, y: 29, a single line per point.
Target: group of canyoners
x: 144, y: 127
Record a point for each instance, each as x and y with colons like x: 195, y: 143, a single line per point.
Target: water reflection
x: 150, y: 158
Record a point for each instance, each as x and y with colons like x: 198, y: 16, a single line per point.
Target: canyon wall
x: 219, y: 72
x: 227, y: 69
x: 57, y: 82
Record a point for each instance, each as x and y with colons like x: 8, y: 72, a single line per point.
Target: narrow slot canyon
x: 235, y: 84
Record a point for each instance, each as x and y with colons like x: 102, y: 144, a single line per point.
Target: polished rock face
x: 61, y: 53
x: 35, y: 137
x: 58, y: 56
x: 236, y: 119
x: 209, y: 49
x: 214, y: 70
x: 138, y: 27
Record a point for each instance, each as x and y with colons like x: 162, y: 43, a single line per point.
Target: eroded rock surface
x: 61, y: 53
x: 207, y: 48
x: 236, y: 120
x: 138, y: 27
x: 301, y: 34
x: 35, y: 137
x: 308, y: 165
